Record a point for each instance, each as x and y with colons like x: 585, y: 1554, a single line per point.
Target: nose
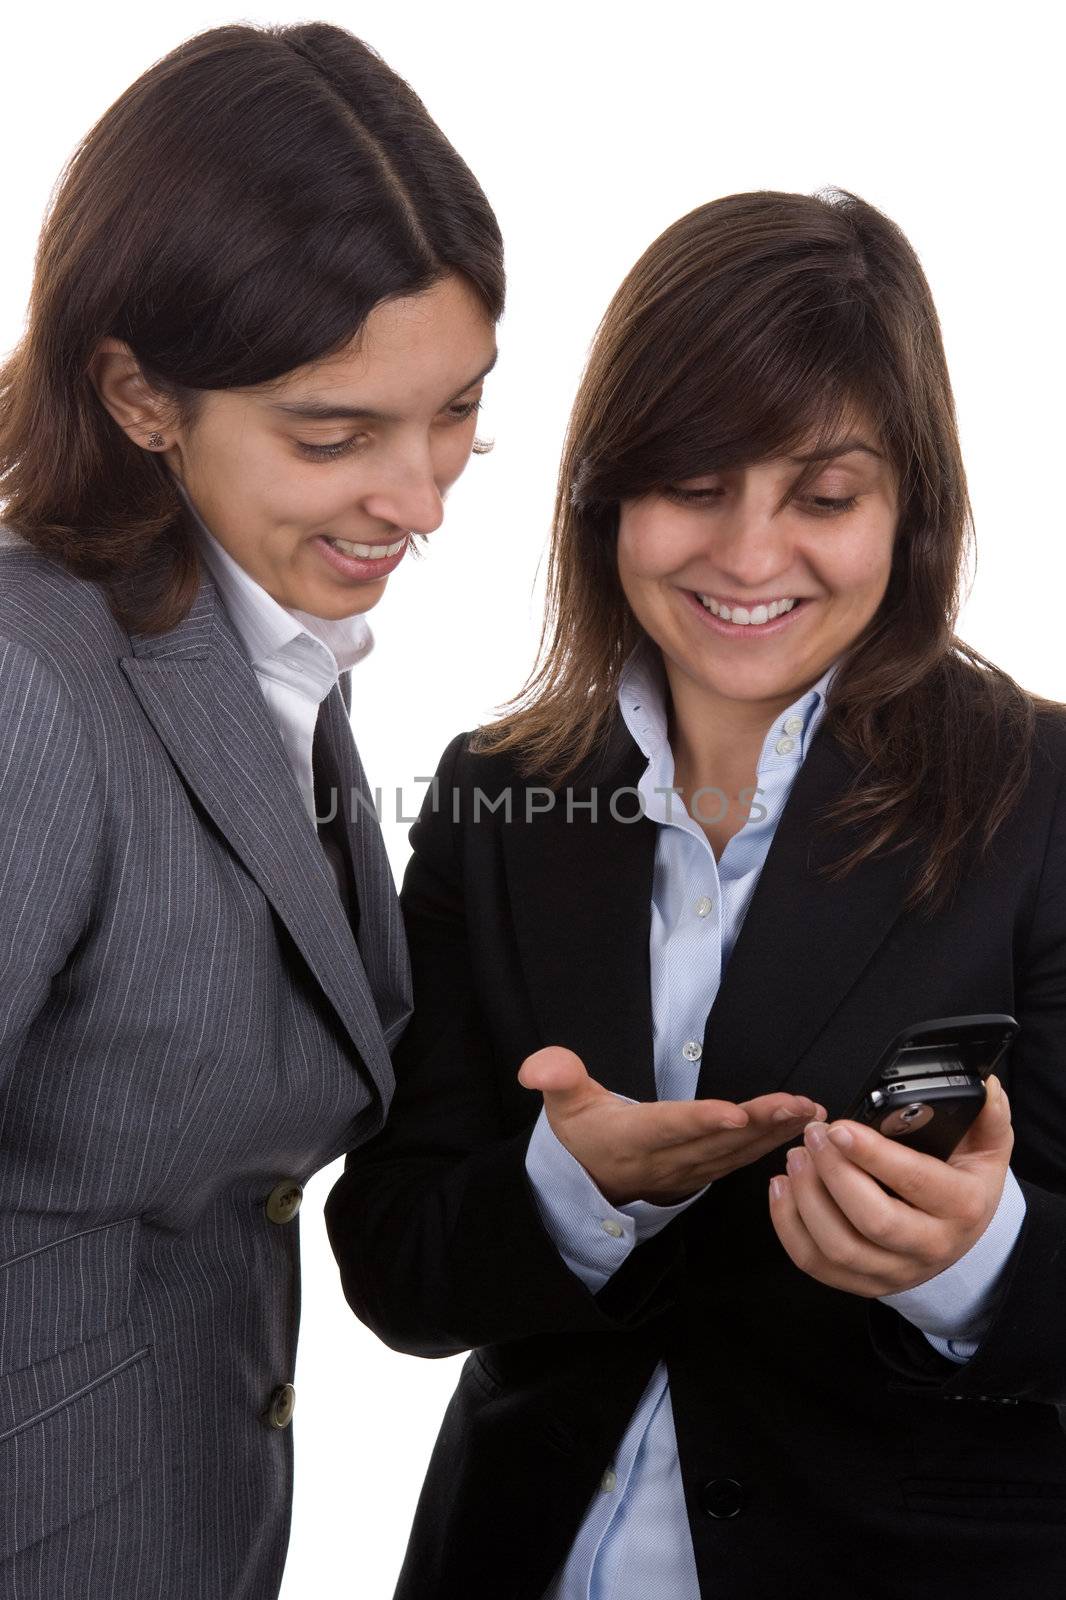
x: 407, y: 496
x: 751, y: 546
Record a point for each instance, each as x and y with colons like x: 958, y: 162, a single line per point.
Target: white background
x: 591, y: 127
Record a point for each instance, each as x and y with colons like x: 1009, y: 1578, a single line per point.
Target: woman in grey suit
x: 264, y: 306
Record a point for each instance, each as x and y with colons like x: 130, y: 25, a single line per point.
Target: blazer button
x: 283, y: 1201
x: 722, y: 1497
x: 282, y: 1406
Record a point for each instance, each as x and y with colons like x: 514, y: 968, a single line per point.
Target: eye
x: 462, y: 410
x: 691, y: 497
x: 823, y: 505
x: 330, y: 452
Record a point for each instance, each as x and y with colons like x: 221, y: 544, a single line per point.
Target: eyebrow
x: 845, y: 448
x: 311, y: 410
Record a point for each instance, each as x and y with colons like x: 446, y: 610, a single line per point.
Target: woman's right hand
x: 662, y: 1151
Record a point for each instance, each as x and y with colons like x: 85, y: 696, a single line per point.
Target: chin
x: 350, y: 604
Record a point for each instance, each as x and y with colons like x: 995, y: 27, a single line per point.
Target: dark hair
x: 752, y: 324
x: 236, y: 213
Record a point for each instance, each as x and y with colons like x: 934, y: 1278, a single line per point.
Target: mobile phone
x: 929, y: 1084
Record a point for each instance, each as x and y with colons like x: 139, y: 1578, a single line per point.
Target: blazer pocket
x: 64, y: 1293
x: 986, y: 1499
x: 59, y: 1462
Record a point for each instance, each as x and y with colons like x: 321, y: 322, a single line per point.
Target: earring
x: 156, y: 441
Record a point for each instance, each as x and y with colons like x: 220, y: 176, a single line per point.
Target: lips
x: 361, y: 569
x: 372, y: 551
x: 740, y: 631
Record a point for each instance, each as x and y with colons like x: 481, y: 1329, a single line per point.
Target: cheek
x: 878, y: 565
x: 287, y: 492
x: 861, y: 562
x: 245, y: 472
x: 648, y: 545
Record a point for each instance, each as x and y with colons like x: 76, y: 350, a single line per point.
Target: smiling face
x: 297, y: 478
x: 742, y: 539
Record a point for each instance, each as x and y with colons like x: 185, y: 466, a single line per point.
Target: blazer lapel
x: 581, y: 896
x: 804, y: 943
x: 382, y: 942
x: 199, y: 691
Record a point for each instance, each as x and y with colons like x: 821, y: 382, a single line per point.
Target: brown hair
x: 752, y: 324
x: 238, y: 212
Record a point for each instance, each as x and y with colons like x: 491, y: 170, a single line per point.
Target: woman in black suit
x: 758, y: 810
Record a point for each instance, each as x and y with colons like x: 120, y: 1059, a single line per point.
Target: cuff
x: 953, y: 1309
x: 592, y: 1236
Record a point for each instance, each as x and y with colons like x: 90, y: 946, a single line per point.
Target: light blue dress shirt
x: 635, y: 1543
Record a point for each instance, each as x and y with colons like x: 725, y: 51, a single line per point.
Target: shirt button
x: 615, y: 1229
x: 609, y: 1481
x: 783, y: 746
x: 704, y: 905
x: 282, y: 1406
x: 283, y: 1202
x: 692, y: 1050
x: 793, y: 724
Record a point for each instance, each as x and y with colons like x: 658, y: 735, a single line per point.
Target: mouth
x: 758, y: 619
x: 362, y: 563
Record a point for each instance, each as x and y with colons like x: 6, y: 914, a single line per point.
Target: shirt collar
x: 294, y: 647
x: 642, y: 691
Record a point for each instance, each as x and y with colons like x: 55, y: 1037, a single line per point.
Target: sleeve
x: 1022, y: 1349
x: 434, y: 1222
x: 593, y: 1236
x: 953, y: 1309
x: 50, y: 820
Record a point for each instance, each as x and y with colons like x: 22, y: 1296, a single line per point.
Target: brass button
x: 284, y: 1201
x: 282, y: 1406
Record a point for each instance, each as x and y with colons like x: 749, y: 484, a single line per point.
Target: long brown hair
x: 752, y: 324
x: 237, y: 212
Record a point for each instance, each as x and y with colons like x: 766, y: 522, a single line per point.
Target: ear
x: 123, y: 389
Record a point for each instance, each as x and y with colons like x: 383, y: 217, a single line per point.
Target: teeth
x: 369, y: 552
x: 742, y: 616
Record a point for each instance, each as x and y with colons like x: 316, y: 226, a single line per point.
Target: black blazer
x: 826, y: 1448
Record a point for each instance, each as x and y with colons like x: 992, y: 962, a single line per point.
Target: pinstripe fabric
x: 296, y: 657
x: 185, y: 1020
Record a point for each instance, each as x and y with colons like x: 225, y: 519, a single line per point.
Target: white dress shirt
x: 296, y: 657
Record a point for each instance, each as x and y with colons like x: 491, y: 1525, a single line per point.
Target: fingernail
x: 796, y: 1159
x: 783, y: 1114
x: 840, y: 1136
x: 777, y: 1188
x: 814, y: 1135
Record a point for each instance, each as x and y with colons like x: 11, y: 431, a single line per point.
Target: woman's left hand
x: 838, y: 1224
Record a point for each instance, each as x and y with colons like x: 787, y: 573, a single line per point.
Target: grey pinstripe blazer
x: 186, y: 1021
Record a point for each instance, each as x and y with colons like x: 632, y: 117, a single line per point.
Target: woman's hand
x: 839, y: 1225
x: 663, y: 1151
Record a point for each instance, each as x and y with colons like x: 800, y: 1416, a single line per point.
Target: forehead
x: 418, y: 349
x: 856, y: 445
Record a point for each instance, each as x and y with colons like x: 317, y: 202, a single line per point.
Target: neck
x: 717, y: 741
